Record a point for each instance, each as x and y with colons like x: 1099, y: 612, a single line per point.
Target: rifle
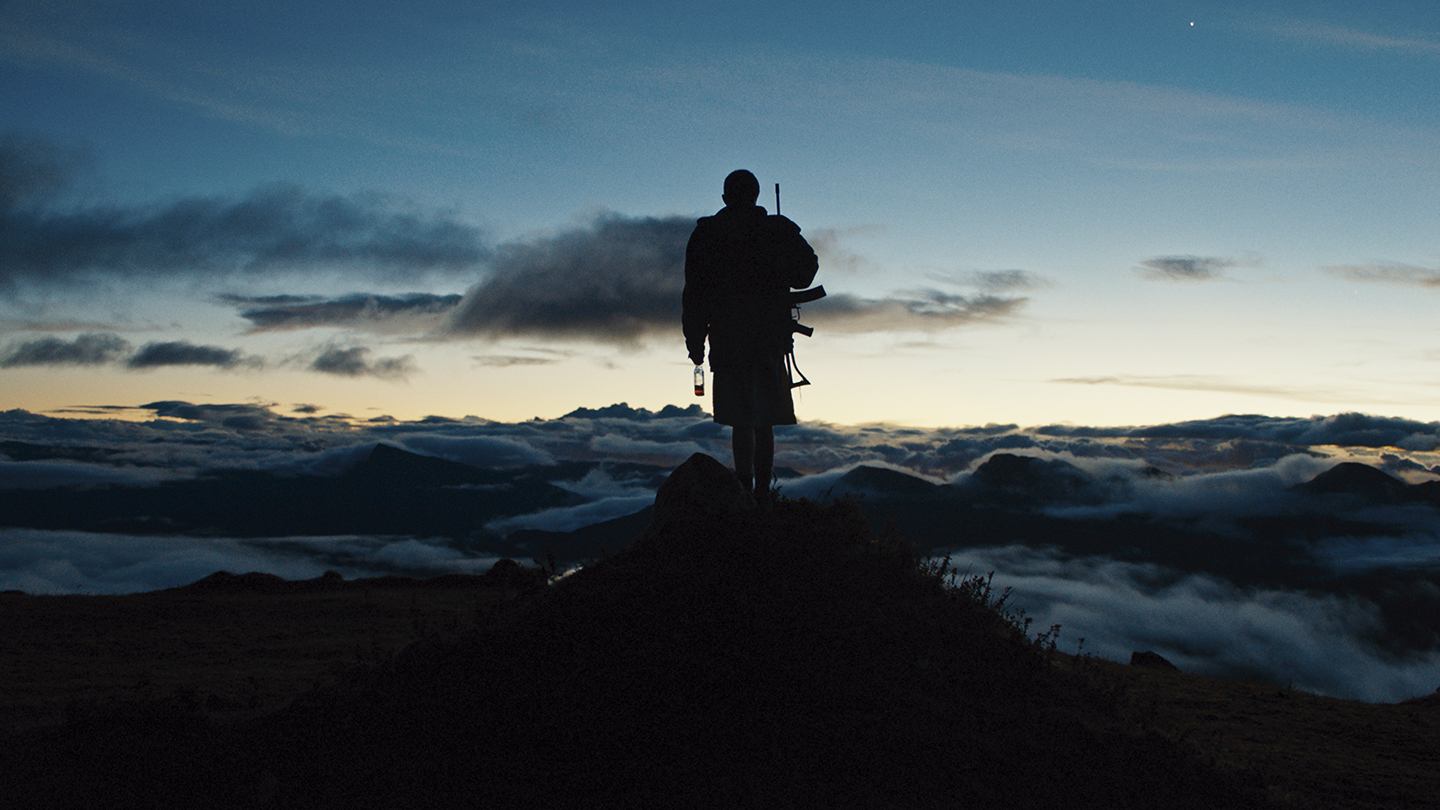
x: 795, y: 299
x: 799, y: 297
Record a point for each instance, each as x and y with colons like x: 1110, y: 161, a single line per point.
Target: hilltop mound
x: 733, y: 658
x: 729, y: 658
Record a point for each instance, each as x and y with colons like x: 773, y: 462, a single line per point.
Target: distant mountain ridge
x: 390, y: 491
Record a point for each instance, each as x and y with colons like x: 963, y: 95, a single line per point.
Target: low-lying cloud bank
x: 1230, y: 480
x: 1322, y: 643
x: 59, y: 562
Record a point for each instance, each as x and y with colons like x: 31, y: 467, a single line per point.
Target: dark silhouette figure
x: 740, y: 266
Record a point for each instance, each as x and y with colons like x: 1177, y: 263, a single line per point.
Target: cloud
x: 60, y: 562
x: 1206, y: 626
x: 85, y: 350
x: 612, y: 281
x: 47, y: 474
x: 927, y: 309
x: 272, y: 229
x: 1185, y: 268
x: 996, y: 282
x: 355, y: 362
x: 1344, y: 430
x: 412, y: 312
x: 491, y: 452
x: 1204, y: 382
x: 1390, y: 274
x: 619, y: 279
x: 184, y: 353
x: 229, y: 415
x: 508, y: 360
x: 101, y: 349
x: 1318, y: 32
x: 923, y: 310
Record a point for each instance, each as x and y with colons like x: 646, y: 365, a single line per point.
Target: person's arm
x: 694, y: 300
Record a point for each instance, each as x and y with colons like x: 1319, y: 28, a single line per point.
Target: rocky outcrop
x: 1151, y: 660
x: 702, y: 492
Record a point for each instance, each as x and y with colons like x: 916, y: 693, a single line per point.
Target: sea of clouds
x: 1217, y: 475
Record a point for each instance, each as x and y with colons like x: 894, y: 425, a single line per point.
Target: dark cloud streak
x: 85, y: 350
x: 923, y: 310
x: 183, y: 353
x: 96, y: 349
x: 1185, y: 268
x: 355, y: 362
x: 273, y: 228
x: 1427, y: 277
x: 296, y: 312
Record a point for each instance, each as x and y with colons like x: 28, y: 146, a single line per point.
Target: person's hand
x: 697, y: 358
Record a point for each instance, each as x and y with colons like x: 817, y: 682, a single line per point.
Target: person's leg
x: 742, y: 447
x: 764, y: 458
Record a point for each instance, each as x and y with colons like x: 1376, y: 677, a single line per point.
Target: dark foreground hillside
x: 727, y: 659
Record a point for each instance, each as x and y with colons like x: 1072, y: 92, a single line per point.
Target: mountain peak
x: 390, y: 464
x: 1357, y: 480
x: 1031, y: 480
x: 885, y: 481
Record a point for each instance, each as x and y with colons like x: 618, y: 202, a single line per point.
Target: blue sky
x: 1032, y: 212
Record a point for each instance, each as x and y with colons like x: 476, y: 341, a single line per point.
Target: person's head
x: 741, y: 188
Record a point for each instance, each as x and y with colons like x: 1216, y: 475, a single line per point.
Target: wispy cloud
x: 1390, y: 274
x: 1204, y: 382
x: 508, y: 360
x: 920, y: 310
x: 1185, y: 268
x: 415, y: 312
x: 1326, y: 34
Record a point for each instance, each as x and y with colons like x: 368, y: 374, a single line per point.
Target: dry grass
x: 235, y: 654
x: 1313, y: 751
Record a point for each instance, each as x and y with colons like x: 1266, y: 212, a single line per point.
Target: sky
x: 1108, y: 213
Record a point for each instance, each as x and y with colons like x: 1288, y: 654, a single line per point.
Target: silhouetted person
x: 739, y: 268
